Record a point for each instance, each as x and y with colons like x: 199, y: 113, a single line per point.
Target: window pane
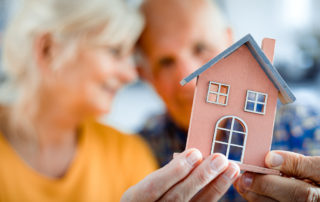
x: 222, y: 99
x: 220, y: 148
x: 226, y: 123
x: 235, y: 153
x: 260, y: 108
x: 261, y: 98
x: 222, y: 135
x: 237, y: 126
x: 237, y: 138
x: 224, y: 89
x: 250, y: 106
x: 251, y: 96
x: 214, y: 87
x: 212, y: 97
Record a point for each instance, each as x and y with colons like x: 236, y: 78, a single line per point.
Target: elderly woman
x: 64, y: 62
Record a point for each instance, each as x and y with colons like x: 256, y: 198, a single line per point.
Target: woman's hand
x: 187, y: 177
x: 299, y: 183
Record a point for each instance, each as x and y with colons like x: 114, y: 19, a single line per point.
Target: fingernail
x: 246, y: 180
x: 232, y: 171
x: 194, y: 157
x: 239, y: 186
x: 274, y: 159
x: 218, y: 163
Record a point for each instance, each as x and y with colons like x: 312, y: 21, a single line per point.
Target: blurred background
x: 295, y: 24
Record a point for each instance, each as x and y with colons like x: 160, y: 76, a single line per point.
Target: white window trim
x: 256, y: 102
x: 230, y: 136
x: 218, y: 93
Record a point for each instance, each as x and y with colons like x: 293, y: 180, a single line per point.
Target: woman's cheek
x: 96, y: 100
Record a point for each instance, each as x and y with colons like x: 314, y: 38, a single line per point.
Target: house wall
x: 242, y: 72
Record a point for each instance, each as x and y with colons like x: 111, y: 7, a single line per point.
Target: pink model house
x: 235, y: 103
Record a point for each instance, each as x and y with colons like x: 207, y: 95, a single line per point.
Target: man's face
x: 174, y: 47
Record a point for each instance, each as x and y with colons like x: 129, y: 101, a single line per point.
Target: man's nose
x: 185, y: 67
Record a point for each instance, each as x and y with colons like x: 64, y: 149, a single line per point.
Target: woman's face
x: 89, y: 80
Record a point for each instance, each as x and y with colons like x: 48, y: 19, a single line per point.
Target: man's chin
x: 184, y: 125
x: 182, y: 121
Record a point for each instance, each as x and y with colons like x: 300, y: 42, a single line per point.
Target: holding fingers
x: 217, y: 188
x: 295, y: 165
x: 302, y: 183
x: 157, y: 183
x: 187, y: 177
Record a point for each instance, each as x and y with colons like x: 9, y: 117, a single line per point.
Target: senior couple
x: 65, y: 60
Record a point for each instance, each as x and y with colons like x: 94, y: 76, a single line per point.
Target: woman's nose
x: 126, y: 72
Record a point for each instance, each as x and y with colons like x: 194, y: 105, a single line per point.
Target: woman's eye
x: 115, y: 51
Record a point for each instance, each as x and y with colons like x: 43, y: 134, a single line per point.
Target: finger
x: 277, y: 187
x: 218, y: 187
x: 160, y: 181
x: 208, y: 170
x: 251, y: 196
x: 248, y: 195
x: 295, y: 165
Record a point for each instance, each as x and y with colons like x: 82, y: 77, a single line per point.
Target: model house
x: 234, y: 104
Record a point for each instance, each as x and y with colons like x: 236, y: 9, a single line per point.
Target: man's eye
x: 199, y: 48
x: 166, y: 62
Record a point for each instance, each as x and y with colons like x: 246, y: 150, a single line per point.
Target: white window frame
x: 230, y: 136
x: 256, y: 102
x: 218, y: 93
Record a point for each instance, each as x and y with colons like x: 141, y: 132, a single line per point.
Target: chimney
x: 268, y: 48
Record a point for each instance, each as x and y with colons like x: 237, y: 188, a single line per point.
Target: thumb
x: 294, y: 164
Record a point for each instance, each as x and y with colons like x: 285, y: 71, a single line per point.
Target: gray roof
x: 286, y: 96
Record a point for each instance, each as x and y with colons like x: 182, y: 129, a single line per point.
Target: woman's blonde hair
x: 67, y: 21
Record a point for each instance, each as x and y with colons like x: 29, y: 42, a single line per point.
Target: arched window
x: 230, y: 138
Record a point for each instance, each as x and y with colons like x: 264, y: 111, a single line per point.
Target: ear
x: 44, y: 52
x: 230, y: 38
x: 144, y: 73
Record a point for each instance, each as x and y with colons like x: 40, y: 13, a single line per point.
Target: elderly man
x: 180, y: 36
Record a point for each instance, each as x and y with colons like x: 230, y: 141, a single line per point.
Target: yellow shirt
x: 106, y: 164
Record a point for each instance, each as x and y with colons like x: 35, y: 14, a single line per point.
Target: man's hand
x: 187, y: 177
x: 300, y: 181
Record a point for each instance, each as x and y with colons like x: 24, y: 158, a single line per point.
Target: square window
x: 222, y: 136
x: 220, y: 148
x: 250, y: 106
x: 212, y: 97
x: 235, y: 153
x: 252, y: 96
x: 256, y: 102
x: 214, y: 87
x: 237, y: 138
x: 218, y: 93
